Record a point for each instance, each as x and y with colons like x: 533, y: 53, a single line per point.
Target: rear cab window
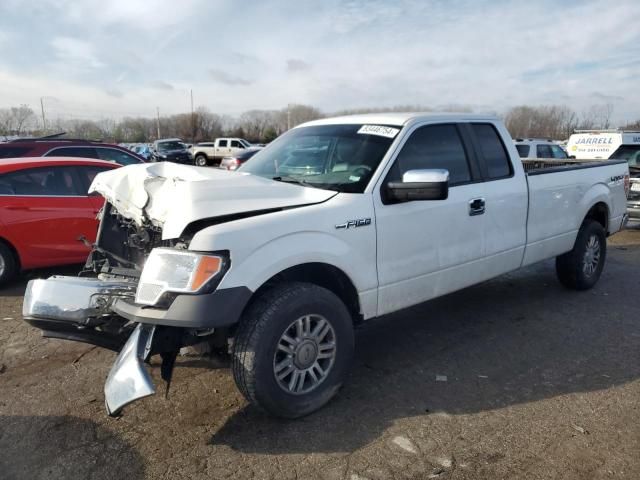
x: 496, y: 164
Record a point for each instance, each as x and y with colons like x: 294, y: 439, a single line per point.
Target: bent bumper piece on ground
x: 128, y: 379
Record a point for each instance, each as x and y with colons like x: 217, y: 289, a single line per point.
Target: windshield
x: 165, y: 146
x: 630, y: 153
x: 244, y: 142
x: 333, y: 157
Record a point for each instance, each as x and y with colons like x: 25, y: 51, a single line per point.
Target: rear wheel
x: 580, y: 268
x: 293, y: 349
x: 201, y: 160
x: 8, y: 264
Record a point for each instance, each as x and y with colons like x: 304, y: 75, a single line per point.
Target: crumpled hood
x: 172, y: 196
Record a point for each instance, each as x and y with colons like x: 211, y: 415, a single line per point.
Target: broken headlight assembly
x: 168, y: 272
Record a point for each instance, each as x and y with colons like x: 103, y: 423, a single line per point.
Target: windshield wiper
x: 286, y: 179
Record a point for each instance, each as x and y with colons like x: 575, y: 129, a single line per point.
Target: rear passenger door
x: 45, y: 210
x: 429, y: 248
x: 505, y: 198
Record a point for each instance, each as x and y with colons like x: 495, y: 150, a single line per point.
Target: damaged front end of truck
x: 143, y: 291
x: 103, y: 306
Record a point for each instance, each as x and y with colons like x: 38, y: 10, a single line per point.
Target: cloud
x: 225, y: 78
x: 362, y: 53
x: 294, y: 65
x: 160, y: 85
x: 75, y: 51
x: 607, y: 98
x: 112, y: 92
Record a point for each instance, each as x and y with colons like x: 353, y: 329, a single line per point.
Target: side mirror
x: 432, y: 184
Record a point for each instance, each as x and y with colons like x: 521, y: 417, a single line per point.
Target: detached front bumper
x: 128, y: 379
x: 103, y: 313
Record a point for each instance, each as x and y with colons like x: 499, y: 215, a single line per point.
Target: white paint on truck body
x: 400, y: 254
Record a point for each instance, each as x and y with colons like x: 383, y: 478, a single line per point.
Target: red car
x: 44, y: 210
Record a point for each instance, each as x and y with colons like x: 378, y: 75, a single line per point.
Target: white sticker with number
x: 379, y: 130
x: 635, y: 186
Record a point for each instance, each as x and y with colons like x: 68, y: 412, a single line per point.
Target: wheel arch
x: 600, y: 213
x: 14, y: 250
x: 322, y: 274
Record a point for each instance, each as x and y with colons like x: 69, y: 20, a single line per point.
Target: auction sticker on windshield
x: 380, y: 130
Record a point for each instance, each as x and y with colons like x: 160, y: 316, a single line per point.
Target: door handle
x: 476, y: 206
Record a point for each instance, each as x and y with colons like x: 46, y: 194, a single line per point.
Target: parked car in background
x: 233, y: 162
x: 212, y: 153
x: 143, y: 150
x: 55, y: 146
x: 603, y: 144
x: 45, y: 210
x: 170, y: 150
x: 539, y: 148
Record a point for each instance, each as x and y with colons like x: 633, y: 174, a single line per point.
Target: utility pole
x: 44, y: 123
x: 193, y: 123
x: 288, y: 116
x: 158, y: 122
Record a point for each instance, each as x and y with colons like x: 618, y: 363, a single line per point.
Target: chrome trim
x: 430, y: 175
x: 73, y: 299
x: 128, y: 378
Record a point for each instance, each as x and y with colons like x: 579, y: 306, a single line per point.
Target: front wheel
x: 580, y: 268
x: 293, y: 349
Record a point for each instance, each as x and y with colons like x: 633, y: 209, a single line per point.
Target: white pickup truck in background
x: 211, y: 153
x: 336, y: 222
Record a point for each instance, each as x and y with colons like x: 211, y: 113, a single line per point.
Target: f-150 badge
x: 360, y: 222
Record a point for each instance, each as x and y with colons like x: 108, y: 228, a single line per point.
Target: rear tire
x: 8, y: 264
x: 293, y: 349
x: 201, y: 161
x: 580, y: 268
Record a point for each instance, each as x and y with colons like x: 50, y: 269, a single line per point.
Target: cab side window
x: 430, y: 147
x: 496, y: 159
x: 222, y: 143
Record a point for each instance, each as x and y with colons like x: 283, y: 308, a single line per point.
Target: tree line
x: 262, y: 126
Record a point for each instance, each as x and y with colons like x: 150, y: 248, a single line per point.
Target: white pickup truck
x: 336, y: 222
x: 211, y: 153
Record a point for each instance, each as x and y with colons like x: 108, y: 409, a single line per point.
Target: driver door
x: 427, y: 248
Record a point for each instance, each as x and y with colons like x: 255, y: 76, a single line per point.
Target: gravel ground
x: 514, y: 378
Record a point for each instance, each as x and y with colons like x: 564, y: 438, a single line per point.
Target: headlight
x: 178, y: 271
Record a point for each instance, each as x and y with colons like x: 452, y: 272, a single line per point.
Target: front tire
x: 580, y: 268
x: 293, y: 349
x: 201, y: 161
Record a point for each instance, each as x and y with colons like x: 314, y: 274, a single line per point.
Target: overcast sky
x: 113, y: 58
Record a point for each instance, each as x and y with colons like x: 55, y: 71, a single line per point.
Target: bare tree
x: 21, y: 115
